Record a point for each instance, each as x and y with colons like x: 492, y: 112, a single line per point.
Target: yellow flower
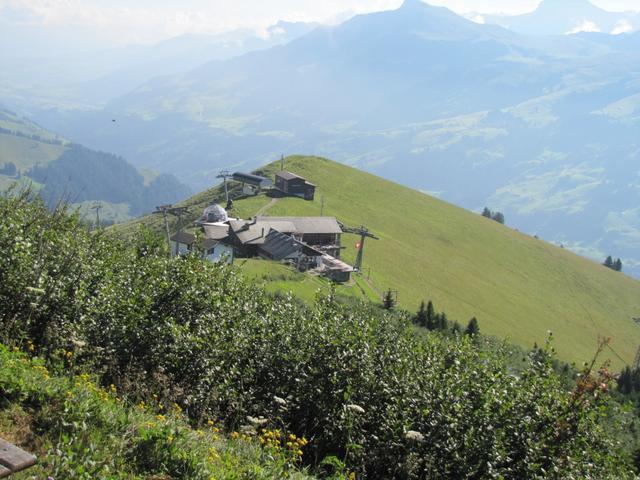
x: 210, y: 422
x: 235, y: 435
x: 161, y: 418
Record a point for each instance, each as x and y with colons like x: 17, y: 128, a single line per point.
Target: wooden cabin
x: 294, y: 185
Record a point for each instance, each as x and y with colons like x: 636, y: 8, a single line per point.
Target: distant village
x: 307, y: 243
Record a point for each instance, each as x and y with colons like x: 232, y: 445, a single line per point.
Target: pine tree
x: 473, y: 328
x: 443, y: 323
x: 431, y: 316
x: 421, y: 316
x: 388, y: 302
x: 617, y: 266
x: 486, y: 212
x: 498, y: 217
x: 456, y: 329
x: 608, y: 262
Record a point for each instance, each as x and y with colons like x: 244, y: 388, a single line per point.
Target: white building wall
x: 183, y: 248
x: 220, y: 252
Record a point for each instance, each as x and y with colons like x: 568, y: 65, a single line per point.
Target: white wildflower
x: 414, y: 436
x: 355, y: 408
x: 279, y: 400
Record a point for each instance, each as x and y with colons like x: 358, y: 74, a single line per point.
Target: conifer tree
x: 443, y: 323
x: 486, y: 213
x: 431, y: 316
x: 421, y: 316
x: 498, y: 217
x: 617, y: 266
x: 388, y: 302
x: 608, y: 262
x: 457, y: 328
x: 473, y: 328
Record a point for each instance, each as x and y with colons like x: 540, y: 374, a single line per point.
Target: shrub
x: 354, y: 380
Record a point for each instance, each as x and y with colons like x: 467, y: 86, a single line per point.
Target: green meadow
x: 520, y: 288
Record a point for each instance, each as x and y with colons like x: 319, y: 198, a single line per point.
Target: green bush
x: 354, y: 380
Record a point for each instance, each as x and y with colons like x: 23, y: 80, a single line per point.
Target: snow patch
x: 623, y: 26
x: 584, y: 26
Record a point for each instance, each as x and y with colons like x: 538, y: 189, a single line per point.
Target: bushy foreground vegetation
x: 82, y: 431
x: 371, y: 398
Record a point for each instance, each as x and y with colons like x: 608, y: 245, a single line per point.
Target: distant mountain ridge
x: 90, y: 79
x: 559, y: 17
x: 543, y: 128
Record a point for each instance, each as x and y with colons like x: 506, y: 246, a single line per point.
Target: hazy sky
x: 145, y: 21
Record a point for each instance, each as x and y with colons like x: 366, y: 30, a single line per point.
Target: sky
x: 120, y: 22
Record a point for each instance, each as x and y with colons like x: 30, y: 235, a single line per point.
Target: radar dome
x: 214, y: 214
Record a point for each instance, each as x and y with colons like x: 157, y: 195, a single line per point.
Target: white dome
x: 214, y: 214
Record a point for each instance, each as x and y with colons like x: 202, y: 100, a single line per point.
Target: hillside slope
x: 59, y: 169
x: 519, y: 287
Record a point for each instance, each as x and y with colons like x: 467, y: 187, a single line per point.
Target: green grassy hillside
x: 517, y: 286
x: 26, y: 153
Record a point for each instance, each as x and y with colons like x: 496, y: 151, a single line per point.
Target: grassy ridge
x: 518, y: 287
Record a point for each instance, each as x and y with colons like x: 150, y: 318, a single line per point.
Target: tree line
x: 616, y: 264
x: 496, y: 216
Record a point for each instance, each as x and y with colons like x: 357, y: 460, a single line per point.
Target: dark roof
x: 255, y: 232
x: 183, y: 237
x: 252, y: 179
x: 306, y: 225
x: 288, y: 175
x: 209, y: 243
x: 280, y: 245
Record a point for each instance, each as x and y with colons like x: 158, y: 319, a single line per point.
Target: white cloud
x: 623, y: 26
x: 584, y: 26
x: 477, y: 18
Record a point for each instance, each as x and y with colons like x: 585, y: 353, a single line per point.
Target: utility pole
x: 282, y: 163
x: 164, y: 209
x: 364, y: 233
x: 178, y: 211
x: 321, y: 205
x: 167, y: 210
x: 225, y: 174
x: 97, y: 206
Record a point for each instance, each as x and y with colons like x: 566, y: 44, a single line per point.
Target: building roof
x: 209, y: 243
x: 254, y: 232
x: 332, y: 263
x: 288, y: 175
x: 252, y: 179
x: 183, y: 237
x: 216, y: 232
x: 280, y: 245
x: 306, y: 225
